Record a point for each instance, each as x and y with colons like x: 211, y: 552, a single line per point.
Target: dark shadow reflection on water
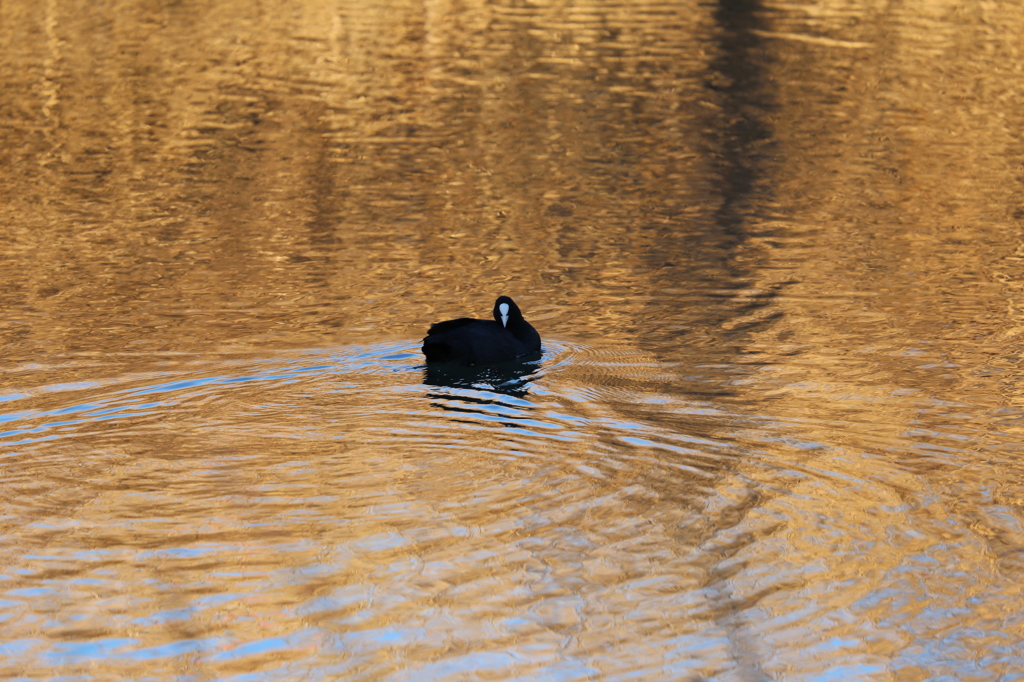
x: 495, y: 394
x: 715, y: 256
x: 742, y: 139
x: 508, y: 378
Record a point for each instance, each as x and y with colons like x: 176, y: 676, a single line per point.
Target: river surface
x: 775, y: 251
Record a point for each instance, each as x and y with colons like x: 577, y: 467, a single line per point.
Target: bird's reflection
x: 508, y: 378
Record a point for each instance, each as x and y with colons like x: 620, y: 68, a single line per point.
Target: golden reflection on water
x: 774, y: 251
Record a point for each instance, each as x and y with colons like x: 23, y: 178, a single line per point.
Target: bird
x: 470, y: 342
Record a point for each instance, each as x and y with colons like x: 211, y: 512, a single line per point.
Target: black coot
x: 466, y: 341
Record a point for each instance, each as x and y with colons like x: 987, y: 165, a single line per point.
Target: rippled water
x: 775, y: 252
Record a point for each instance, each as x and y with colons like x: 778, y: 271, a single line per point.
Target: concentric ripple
x: 566, y: 517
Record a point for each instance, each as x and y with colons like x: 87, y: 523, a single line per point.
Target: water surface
x: 775, y: 253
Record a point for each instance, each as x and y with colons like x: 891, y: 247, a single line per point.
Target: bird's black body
x: 466, y: 341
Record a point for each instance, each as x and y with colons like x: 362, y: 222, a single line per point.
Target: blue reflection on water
x: 64, y: 653
x: 267, y: 645
x: 124, y: 403
x: 172, y: 649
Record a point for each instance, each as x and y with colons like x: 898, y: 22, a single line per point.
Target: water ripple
x: 351, y: 502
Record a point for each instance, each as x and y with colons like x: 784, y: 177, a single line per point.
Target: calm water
x: 775, y: 251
